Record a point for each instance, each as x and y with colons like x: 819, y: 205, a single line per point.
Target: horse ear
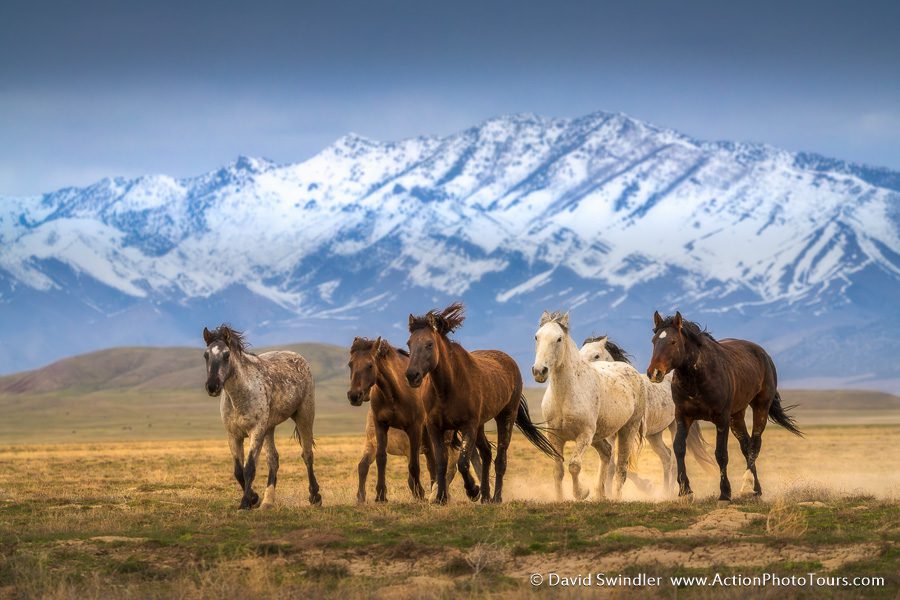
x: 207, y: 336
x: 545, y: 318
x: 678, y: 320
x: 377, y: 347
x: 564, y: 321
x: 603, y: 339
x: 432, y: 320
x: 657, y: 319
x: 412, y: 321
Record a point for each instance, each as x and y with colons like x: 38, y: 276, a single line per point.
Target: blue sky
x: 94, y: 89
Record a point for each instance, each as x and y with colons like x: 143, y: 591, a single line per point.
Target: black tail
x: 533, y: 432
x: 778, y: 414
x: 456, y: 440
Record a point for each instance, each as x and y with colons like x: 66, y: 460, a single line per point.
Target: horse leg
x: 505, y: 424
x: 381, y: 433
x: 679, y: 445
x: 760, y: 418
x: 722, y: 460
x: 429, y: 457
x: 739, y: 429
x: 236, y: 445
x: 362, y: 469
x: 462, y: 464
x: 581, y: 443
x: 626, y: 441
x: 304, y: 431
x: 484, y: 453
x: 665, y: 457
x: 251, y: 498
x: 413, y: 479
x: 559, y: 468
x: 272, y: 461
x: 604, y: 449
x: 440, y: 463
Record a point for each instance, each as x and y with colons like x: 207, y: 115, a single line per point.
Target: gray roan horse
x: 260, y: 392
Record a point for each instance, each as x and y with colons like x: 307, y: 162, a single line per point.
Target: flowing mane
x: 690, y: 328
x: 444, y: 322
x: 232, y: 338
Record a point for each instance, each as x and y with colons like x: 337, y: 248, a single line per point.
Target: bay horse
x: 590, y: 403
x: 660, y: 415
x: 257, y: 394
x: 395, y: 423
x: 463, y: 391
x: 716, y: 381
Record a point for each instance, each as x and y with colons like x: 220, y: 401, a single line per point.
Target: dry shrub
x: 486, y: 557
x: 785, y: 520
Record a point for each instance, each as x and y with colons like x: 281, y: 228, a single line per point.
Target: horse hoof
x: 267, y: 505
x: 474, y: 493
x: 581, y: 495
x: 686, y: 498
x: 723, y: 502
x: 315, y: 499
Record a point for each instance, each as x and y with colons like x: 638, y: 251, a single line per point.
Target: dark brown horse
x: 463, y: 391
x: 716, y: 381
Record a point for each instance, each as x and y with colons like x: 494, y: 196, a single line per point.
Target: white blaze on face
x: 214, y: 349
x: 662, y: 335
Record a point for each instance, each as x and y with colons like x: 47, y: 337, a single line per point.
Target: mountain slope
x: 604, y: 214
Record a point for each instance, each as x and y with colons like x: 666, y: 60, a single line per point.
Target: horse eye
x: 558, y: 340
x: 206, y: 355
x: 226, y: 354
x: 596, y: 357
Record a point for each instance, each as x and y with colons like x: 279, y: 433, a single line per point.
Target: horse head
x: 548, y: 343
x: 594, y: 350
x: 427, y: 339
x: 668, y: 346
x: 364, y: 355
x: 220, y: 344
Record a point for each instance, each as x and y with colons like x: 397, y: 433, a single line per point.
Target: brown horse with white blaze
x: 716, y: 381
x: 463, y: 391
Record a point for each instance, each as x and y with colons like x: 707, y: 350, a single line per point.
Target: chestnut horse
x: 396, y: 420
x: 716, y: 381
x: 463, y: 391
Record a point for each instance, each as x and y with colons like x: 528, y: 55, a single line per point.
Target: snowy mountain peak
x: 598, y: 209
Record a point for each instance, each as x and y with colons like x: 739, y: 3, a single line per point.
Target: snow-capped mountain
x: 604, y: 214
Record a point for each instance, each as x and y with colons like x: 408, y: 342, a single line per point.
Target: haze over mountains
x: 605, y: 215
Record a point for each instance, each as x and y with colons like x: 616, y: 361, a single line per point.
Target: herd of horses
x: 436, y: 398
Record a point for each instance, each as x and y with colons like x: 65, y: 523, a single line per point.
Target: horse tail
x: 637, y: 444
x: 779, y: 414
x: 455, y: 440
x: 533, y: 432
x: 701, y: 450
x: 296, y: 435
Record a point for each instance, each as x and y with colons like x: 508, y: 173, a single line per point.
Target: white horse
x: 660, y: 415
x: 587, y: 403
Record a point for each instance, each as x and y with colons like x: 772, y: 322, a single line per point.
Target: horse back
x: 288, y: 381
x: 751, y: 369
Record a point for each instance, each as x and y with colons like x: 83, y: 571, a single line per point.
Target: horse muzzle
x: 414, y: 379
x: 655, y: 375
x: 213, y: 389
x: 540, y: 375
x: 357, y: 398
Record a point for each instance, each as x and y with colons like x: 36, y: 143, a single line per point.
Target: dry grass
x: 157, y: 519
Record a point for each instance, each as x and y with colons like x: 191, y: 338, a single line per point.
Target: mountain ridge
x: 603, y: 214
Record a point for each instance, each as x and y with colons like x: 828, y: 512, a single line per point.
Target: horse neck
x: 242, y: 383
x: 450, y: 366
x: 568, y: 367
x: 389, y: 375
x: 695, y: 354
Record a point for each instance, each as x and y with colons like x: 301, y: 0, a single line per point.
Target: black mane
x: 689, y: 328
